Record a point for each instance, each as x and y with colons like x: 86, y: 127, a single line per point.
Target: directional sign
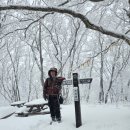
x: 67, y: 82
x: 85, y: 81
x: 81, y: 81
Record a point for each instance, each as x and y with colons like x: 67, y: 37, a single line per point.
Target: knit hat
x: 52, y: 69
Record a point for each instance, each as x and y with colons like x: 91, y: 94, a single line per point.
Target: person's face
x: 53, y: 74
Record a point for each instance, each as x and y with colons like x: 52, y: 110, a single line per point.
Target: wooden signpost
x: 76, y: 83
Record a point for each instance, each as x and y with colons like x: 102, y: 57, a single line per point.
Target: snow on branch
x: 83, y: 18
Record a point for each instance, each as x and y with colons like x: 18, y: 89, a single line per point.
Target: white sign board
x: 81, y: 81
x: 67, y: 82
x: 75, y: 91
x: 85, y: 81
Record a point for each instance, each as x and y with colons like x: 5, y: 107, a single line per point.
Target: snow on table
x: 39, y: 101
x: 6, y: 111
x: 18, y: 103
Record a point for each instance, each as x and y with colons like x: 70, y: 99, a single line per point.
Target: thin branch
x: 36, y: 21
x: 26, y: 28
x: 106, y: 49
x: 64, y: 3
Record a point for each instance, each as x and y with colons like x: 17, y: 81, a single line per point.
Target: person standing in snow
x: 51, y: 92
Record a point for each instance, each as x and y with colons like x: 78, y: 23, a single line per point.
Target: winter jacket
x: 52, y: 87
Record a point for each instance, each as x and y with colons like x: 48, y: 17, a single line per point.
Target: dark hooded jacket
x: 52, y: 86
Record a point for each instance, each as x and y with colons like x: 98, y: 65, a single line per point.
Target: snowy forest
x: 89, y: 37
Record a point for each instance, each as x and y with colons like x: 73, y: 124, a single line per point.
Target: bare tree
x: 116, y: 69
x: 15, y: 66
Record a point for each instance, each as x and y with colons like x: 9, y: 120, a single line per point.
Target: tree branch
x: 84, y: 19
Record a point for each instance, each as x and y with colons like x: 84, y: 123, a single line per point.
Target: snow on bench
x: 22, y: 111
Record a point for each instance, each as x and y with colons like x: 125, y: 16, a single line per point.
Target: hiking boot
x: 58, y: 120
x: 53, y: 119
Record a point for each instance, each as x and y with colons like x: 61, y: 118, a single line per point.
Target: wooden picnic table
x: 34, y: 107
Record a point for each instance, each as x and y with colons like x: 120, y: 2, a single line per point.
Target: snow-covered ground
x: 94, y: 117
x: 5, y: 111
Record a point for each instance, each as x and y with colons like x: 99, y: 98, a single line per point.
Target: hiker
x: 51, y: 92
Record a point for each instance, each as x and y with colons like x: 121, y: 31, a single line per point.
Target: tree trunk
x: 110, y: 84
x: 90, y: 75
x: 101, y: 93
x: 40, y: 54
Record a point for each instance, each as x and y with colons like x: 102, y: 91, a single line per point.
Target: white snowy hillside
x: 94, y: 117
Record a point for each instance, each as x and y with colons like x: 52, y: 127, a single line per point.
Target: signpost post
x: 77, y: 100
x: 76, y: 83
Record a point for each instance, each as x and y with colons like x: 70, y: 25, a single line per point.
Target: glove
x: 60, y: 80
